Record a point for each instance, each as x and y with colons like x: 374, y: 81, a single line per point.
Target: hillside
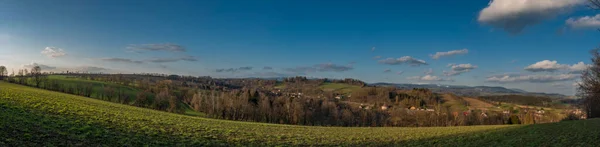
x: 338, y: 87
x: 34, y: 117
x: 471, y: 91
x: 97, y: 86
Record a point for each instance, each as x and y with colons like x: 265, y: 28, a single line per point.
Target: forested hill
x: 471, y: 91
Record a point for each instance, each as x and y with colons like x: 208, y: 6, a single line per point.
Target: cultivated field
x: 34, y: 117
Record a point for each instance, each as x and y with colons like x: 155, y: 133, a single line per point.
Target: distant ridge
x: 470, y: 90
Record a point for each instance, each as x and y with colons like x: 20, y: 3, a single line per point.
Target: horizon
x: 544, y: 49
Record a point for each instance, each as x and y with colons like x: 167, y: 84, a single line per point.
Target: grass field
x: 97, y: 85
x: 128, y: 90
x: 454, y: 102
x: 34, y: 117
x: 338, y: 87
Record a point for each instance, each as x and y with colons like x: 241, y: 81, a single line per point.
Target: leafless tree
x: 36, y: 73
x: 589, y: 88
x: 3, y: 72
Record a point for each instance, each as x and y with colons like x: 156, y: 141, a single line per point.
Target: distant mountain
x: 470, y: 91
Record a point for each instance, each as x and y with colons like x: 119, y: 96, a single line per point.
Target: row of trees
x: 257, y: 106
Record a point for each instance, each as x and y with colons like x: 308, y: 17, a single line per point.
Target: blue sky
x: 487, y: 43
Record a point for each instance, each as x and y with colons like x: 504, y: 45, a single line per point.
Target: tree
x: 3, y: 72
x: 36, y: 73
x: 589, y: 87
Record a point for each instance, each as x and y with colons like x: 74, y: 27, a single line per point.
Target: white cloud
x: 463, y: 67
x: 514, y: 15
x: 403, y: 60
x: 92, y: 69
x: 139, y: 48
x: 438, y: 55
x: 453, y: 73
x: 53, y: 52
x: 33, y: 64
x: 551, y: 66
x: 458, y: 69
x: 579, y: 67
x: 428, y: 78
x: 532, y: 78
x: 165, y: 60
x: 124, y: 60
x: 584, y: 22
x: 324, y: 67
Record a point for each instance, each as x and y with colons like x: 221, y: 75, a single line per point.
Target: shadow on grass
x: 571, y: 133
x: 23, y: 127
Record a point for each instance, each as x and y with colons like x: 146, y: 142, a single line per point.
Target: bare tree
x: 3, y: 72
x: 589, y: 88
x: 36, y: 73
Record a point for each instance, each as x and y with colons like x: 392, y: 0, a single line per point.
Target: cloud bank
x: 53, y: 52
x: 552, y: 66
x: 239, y: 69
x: 140, y: 48
x: 403, y: 60
x: 42, y: 66
x: 515, y: 15
x: 532, y: 78
x: 165, y: 60
x: 585, y: 22
x: 429, y: 78
x: 458, y: 69
x: 438, y: 55
x: 325, y: 67
x: 123, y: 60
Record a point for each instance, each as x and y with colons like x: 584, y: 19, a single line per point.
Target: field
x: 454, y: 102
x: 97, y: 85
x: 338, y: 87
x: 34, y: 117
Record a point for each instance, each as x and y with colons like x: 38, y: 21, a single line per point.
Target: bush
x: 571, y: 116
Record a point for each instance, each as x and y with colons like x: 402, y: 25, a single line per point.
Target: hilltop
x: 35, y: 117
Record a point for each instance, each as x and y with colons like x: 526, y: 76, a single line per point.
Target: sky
x: 534, y: 45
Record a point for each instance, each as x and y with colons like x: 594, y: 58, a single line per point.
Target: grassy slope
x: 454, y: 102
x: 338, y: 87
x: 97, y: 86
x: 33, y: 117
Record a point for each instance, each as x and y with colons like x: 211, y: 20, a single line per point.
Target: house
x: 430, y: 110
x: 506, y: 112
x: 541, y: 112
x: 483, y: 114
x: 412, y: 108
